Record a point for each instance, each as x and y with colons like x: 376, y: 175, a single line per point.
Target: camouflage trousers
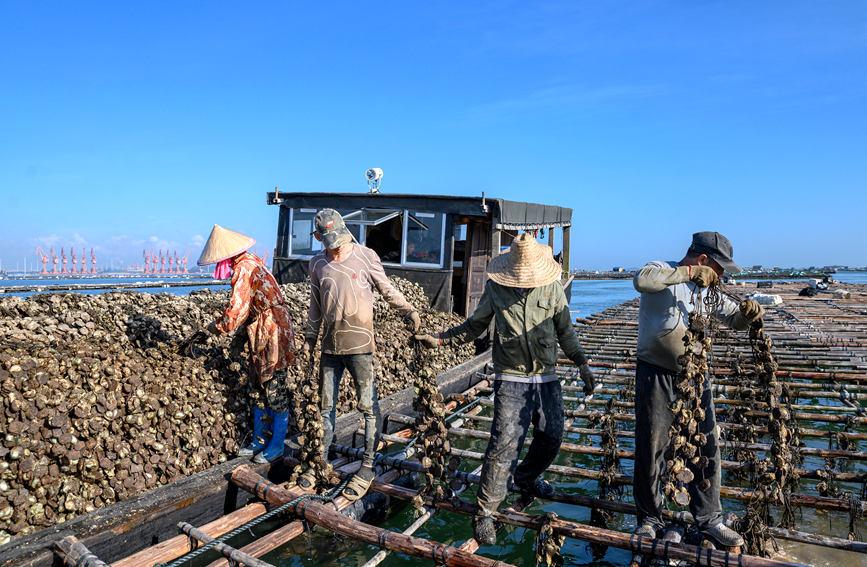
x: 273, y: 394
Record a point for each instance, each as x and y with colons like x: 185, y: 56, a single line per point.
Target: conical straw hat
x: 222, y: 244
x: 526, y: 264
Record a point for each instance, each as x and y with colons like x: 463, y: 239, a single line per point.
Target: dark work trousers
x: 272, y: 395
x: 360, y: 366
x: 655, y: 391
x: 516, y: 406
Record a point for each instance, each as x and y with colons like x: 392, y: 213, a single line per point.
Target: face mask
x: 223, y: 269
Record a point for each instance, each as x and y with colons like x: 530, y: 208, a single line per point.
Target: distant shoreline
x: 778, y: 275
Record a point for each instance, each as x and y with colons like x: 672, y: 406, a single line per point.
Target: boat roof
x: 512, y: 215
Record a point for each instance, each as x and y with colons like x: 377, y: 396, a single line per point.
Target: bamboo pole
x: 226, y: 550
x: 807, y: 500
x: 717, y: 402
x: 174, y: 547
x: 471, y: 544
x: 726, y: 388
x: 734, y: 465
x: 591, y: 534
x: 75, y: 554
x: 754, y: 413
x: 620, y: 507
x: 830, y: 376
x: 411, y: 529
x: 803, y: 432
x: 327, y: 517
x: 630, y: 454
x: 177, y: 546
x: 284, y: 534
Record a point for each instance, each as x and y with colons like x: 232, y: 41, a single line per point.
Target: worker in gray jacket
x: 342, y: 280
x: 667, y: 295
x: 526, y: 301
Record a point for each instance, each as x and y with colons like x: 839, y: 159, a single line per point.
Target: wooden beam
x: 326, y: 516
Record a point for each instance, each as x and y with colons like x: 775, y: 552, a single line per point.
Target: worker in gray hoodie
x: 667, y: 297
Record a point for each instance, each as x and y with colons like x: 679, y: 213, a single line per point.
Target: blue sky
x: 133, y: 125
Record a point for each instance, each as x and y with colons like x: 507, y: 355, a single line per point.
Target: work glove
x: 751, y: 310
x: 414, y: 321
x: 589, y: 379
x: 703, y: 276
x: 236, y: 347
x: 428, y: 341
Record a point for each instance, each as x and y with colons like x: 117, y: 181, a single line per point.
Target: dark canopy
x: 513, y: 215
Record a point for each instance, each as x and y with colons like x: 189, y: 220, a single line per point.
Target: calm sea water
x: 588, y: 296
x: 183, y: 290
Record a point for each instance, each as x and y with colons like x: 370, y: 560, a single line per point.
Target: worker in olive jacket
x: 525, y: 299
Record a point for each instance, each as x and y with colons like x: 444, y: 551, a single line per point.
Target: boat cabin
x: 443, y: 243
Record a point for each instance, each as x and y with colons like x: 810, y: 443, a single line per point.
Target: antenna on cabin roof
x: 374, y: 178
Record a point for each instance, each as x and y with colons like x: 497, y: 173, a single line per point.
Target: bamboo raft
x: 821, y: 346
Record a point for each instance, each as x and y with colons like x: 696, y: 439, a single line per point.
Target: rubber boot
x: 275, y: 447
x: 258, y: 435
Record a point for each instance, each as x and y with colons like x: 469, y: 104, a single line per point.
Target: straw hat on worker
x: 224, y: 244
x: 527, y: 264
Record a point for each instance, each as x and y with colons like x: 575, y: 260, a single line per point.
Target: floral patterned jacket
x: 256, y: 300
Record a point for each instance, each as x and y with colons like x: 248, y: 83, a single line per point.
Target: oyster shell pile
x: 96, y: 404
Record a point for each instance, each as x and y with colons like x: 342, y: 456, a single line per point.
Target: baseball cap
x: 716, y: 246
x: 330, y: 226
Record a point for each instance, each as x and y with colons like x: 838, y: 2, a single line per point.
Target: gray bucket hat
x: 330, y: 226
x: 716, y: 246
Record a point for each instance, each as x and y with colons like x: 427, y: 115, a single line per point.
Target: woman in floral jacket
x: 257, y: 304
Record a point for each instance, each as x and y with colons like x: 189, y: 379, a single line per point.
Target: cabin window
x: 424, y: 238
x: 398, y: 236
x: 378, y: 229
x: 460, y: 246
x: 302, y: 241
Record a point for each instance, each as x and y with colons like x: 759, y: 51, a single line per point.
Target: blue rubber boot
x: 259, y: 439
x: 275, y: 447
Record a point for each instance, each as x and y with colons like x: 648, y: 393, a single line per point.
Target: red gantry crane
x: 83, y: 261
x: 74, y: 258
x: 53, y: 260
x: 184, y: 262
x: 171, y: 261
x: 63, y: 261
x: 44, y: 258
x: 147, y: 261
x: 92, y: 262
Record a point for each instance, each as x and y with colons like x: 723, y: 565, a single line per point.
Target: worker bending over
x: 525, y: 299
x: 342, y: 279
x: 668, y: 292
x: 255, y: 306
